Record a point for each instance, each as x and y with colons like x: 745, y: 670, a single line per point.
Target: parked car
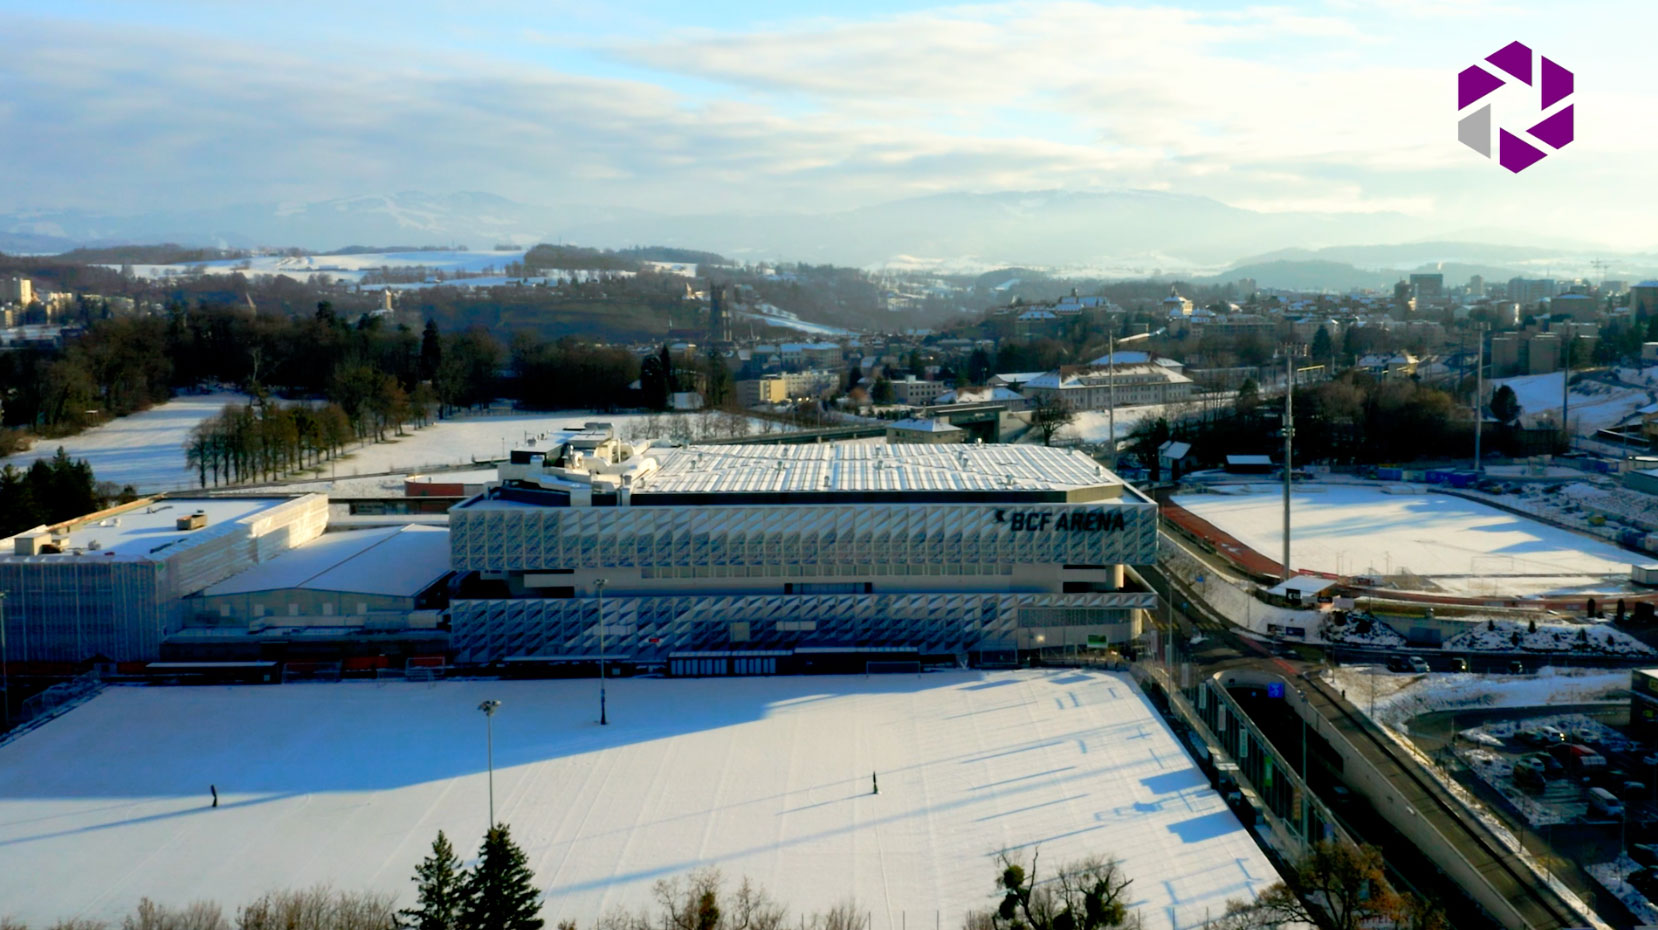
x: 1418, y: 665
x: 1543, y: 735
x: 1529, y: 773
x: 1516, y: 667
x: 1459, y: 664
x: 1603, y: 803
x: 1398, y: 664
x: 1551, y: 766
x: 1631, y: 791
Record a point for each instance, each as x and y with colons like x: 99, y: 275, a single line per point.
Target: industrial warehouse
x: 756, y: 560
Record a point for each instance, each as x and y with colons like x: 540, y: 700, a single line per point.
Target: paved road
x: 1539, y: 906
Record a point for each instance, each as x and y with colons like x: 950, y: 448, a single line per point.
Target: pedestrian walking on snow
x: 215, y: 790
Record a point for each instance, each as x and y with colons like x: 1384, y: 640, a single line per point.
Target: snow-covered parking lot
x: 768, y: 778
x: 1459, y: 543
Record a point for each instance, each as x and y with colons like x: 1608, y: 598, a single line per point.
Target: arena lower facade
x: 758, y: 559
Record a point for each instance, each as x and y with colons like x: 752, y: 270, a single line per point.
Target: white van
x: 1604, y: 803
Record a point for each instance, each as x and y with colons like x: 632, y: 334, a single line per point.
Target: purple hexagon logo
x: 1512, y: 63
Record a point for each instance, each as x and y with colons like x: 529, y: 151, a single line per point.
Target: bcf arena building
x: 749, y: 559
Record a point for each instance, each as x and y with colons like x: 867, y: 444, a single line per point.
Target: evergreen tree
x: 431, y: 351
x: 500, y: 891
x: 1505, y: 406
x: 1322, y: 346
x: 441, y: 891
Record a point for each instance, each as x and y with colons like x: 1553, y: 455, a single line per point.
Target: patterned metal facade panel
x: 504, y: 539
x: 937, y: 624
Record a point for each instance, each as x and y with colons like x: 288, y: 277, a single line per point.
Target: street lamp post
x: 5, y: 678
x: 599, y: 584
x: 1111, y: 387
x: 489, y: 708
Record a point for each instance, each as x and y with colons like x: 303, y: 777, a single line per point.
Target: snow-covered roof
x: 1038, y: 315
x: 1124, y: 358
x: 1255, y: 460
x: 849, y: 468
x: 150, y: 531
x: 926, y: 425
x: 979, y: 396
x: 1018, y: 377
x: 1302, y: 585
x: 398, y: 562
x: 1174, y: 449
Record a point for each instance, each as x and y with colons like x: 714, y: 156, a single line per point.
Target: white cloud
x: 1334, y: 107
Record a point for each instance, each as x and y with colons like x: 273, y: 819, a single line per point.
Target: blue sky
x: 1341, y: 106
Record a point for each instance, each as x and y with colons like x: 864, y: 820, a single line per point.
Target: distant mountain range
x: 1111, y: 234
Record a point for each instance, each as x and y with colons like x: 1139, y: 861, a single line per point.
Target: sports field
x: 768, y: 778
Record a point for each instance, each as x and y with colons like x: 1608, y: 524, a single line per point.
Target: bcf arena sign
x: 1511, y: 64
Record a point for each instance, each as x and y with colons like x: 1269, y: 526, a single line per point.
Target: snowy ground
x: 1397, y: 697
x: 1594, y: 405
x: 145, y: 450
x: 463, y: 440
x: 1095, y: 425
x: 763, y: 777
x: 1456, y: 543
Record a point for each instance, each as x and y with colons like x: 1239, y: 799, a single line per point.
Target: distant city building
x: 1476, y: 285
x: 1578, y: 306
x: 17, y: 291
x: 753, y: 392
x: 719, y: 314
x: 924, y: 430
x: 1643, y: 299
x: 915, y: 392
x: 1427, y: 286
x: 1094, y: 388
x: 1529, y: 292
x: 1175, y: 305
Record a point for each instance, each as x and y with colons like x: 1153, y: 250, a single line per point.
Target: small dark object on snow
x: 874, y: 784
x: 215, y: 790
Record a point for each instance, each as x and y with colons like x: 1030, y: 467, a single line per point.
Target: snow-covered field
x: 1355, y: 530
x: 463, y: 440
x: 768, y: 778
x: 145, y: 450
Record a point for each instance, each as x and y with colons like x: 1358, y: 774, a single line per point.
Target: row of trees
x: 267, y: 441
x: 1353, y: 419
x: 1336, y: 886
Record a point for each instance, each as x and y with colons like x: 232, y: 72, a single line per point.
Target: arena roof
x: 398, y: 562
x: 834, y: 467
x: 147, y: 530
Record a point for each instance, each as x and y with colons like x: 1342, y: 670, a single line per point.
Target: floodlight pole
x: 1479, y: 396
x: 5, y: 677
x: 599, y: 584
x: 1289, y: 428
x: 1111, y: 387
x: 489, y: 708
